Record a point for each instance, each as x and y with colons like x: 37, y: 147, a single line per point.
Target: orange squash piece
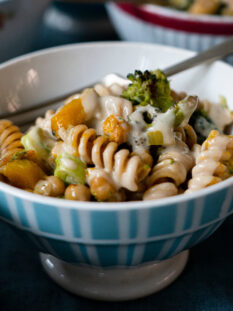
x: 116, y: 130
x: 70, y: 115
x: 23, y: 173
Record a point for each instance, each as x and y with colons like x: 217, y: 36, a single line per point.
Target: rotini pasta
x: 169, y: 172
x: 188, y: 135
x: 10, y: 139
x: 121, y: 142
x: 126, y: 170
x: 213, y: 162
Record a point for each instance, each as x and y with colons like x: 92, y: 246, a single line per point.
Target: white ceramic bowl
x: 153, y: 23
x: 109, y: 239
x: 19, y: 21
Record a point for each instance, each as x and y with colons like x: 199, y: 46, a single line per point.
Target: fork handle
x: 216, y: 52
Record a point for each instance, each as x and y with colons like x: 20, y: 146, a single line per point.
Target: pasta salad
x: 216, y: 7
x: 121, y: 141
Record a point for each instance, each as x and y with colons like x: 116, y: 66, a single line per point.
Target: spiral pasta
x: 169, y: 172
x: 10, y: 136
x: 126, y: 170
x: 188, y: 135
x: 212, y: 162
x: 45, y: 123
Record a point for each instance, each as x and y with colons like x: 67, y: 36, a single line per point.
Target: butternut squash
x: 115, y: 129
x: 23, y: 173
x: 69, y: 115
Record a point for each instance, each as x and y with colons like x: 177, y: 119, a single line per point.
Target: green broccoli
x: 202, y: 125
x: 70, y: 169
x: 149, y: 87
x: 180, y: 4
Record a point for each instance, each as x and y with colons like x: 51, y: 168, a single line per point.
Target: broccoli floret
x: 149, y: 87
x: 202, y: 125
x: 180, y: 4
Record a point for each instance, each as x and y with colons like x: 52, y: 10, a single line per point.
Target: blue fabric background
x: 205, y: 285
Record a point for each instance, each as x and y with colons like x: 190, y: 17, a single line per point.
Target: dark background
x: 207, y: 281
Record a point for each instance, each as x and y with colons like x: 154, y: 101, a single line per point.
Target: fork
x: 30, y: 113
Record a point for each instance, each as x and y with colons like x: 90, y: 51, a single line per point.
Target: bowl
x: 153, y: 23
x: 19, y: 22
x: 111, y: 251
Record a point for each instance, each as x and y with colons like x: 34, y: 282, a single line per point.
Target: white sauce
x: 110, y: 105
x: 68, y: 163
x: 220, y: 115
x: 164, y: 122
x: 115, y: 79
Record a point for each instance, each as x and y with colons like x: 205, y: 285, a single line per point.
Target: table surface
x: 207, y: 281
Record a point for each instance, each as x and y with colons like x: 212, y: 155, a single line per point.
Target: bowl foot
x: 114, y: 284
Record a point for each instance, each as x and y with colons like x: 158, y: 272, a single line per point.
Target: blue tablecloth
x: 205, y: 285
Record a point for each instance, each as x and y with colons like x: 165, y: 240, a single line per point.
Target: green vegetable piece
x: 38, y: 141
x: 202, y: 125
x: 18, y: 155
x: 223, y: 102
x: 155, y: 138
x: 229, y: 165
x: 149, y: 88
x: 180, y: 4
x: 179, y: 118
x: 70, y: 169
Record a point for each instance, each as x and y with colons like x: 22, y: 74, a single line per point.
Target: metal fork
x: 30, y: 113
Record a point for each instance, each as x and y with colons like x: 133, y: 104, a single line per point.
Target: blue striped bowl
x: 116, y: 234
x: 110, y: 234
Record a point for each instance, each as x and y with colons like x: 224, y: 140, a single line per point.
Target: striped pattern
x: 132, y: 28
x: 116, y: 237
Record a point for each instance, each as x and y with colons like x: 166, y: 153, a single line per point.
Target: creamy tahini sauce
x: 220, y: 115
x: 162, y: 122
x: 68, y: 163
x: 110, y: 105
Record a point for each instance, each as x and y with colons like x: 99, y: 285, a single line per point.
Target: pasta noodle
x: 188, y: 135
x: 126, y: 170
x: 212, y: 162
x: 10, y: 136
x: 169, y: 172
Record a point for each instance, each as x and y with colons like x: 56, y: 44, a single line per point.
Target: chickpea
x: 78, y: 193
x: 102, y: 189
x: 51, y: 186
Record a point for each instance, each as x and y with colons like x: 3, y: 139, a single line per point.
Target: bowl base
x: 114, y: 284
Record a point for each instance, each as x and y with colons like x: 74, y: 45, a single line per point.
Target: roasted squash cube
x: 23, y: 173
x: 116, y: 129
x: 71, y: 114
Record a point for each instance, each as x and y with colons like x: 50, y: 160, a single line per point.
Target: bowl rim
x: 171, y: 19
x: 106, y: 206
x: 185, y: 15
